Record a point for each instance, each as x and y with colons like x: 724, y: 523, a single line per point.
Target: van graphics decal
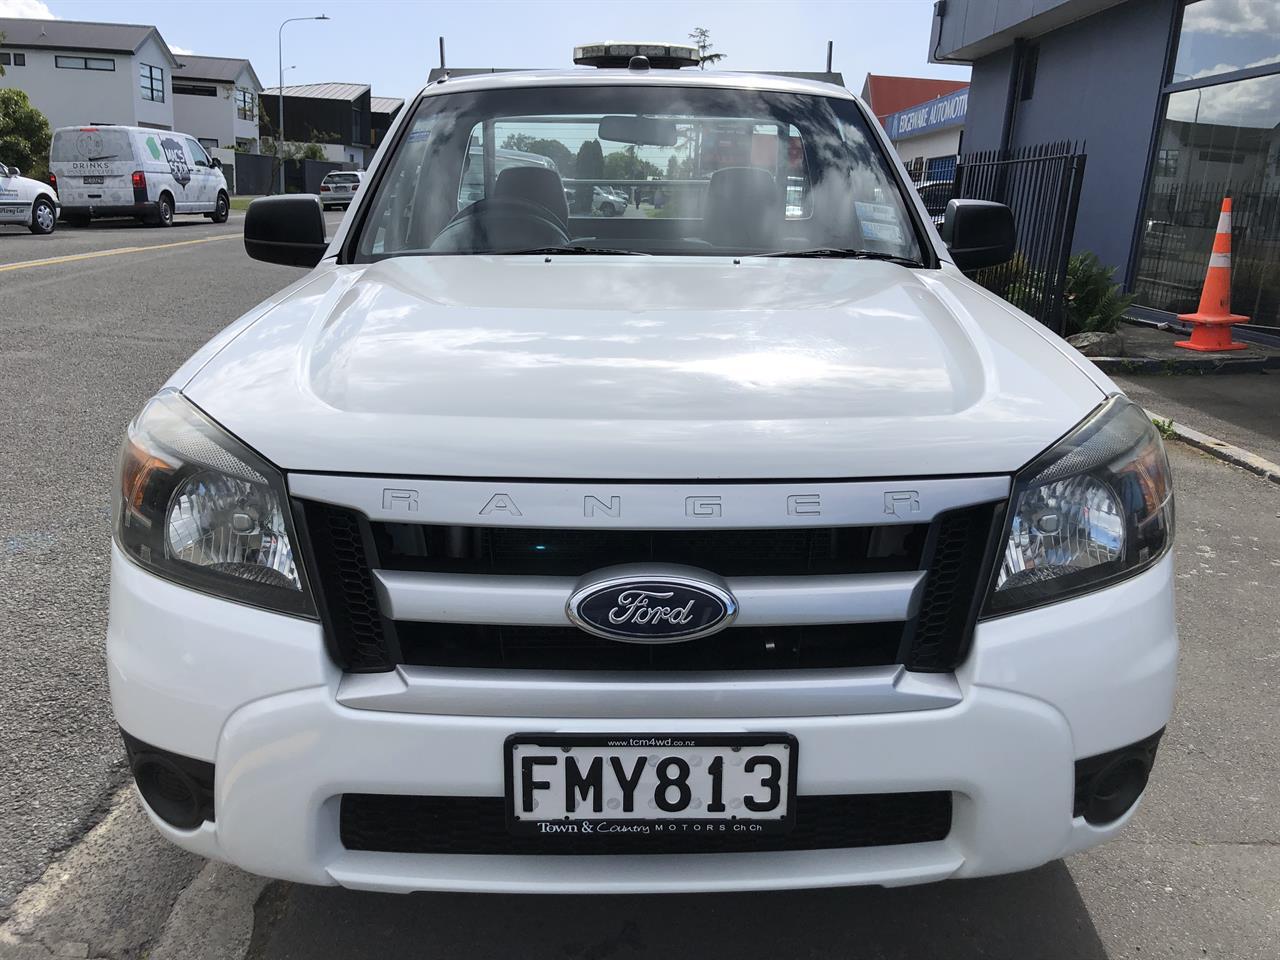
x: 176, y: 157
x: 94, y: 153
x: 154, y: 148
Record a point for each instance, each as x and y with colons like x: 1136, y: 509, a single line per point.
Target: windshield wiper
x: 573, y: 249
x: 846, y: 253
x: 105, y: 156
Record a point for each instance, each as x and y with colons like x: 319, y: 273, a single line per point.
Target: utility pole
x: 280, y: 114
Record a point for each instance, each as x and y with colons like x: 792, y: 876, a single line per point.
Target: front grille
x: 568, y: 648
x: 730, y: 553
x: 406, y: 824
x: 955, y: 550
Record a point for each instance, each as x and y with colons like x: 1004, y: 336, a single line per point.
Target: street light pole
x: 280, y: 113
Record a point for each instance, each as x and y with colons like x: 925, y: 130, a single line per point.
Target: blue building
x: 1179, y: 104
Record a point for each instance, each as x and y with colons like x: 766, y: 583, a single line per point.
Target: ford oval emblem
x: 644, y: 604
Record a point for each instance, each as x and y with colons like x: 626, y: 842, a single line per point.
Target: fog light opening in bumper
x: 178, y: 789
x: 1108, y: 785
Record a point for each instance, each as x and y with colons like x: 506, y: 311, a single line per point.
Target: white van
x: 111, y: 171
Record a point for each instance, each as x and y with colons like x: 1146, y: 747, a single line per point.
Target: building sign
x: 937, y: 114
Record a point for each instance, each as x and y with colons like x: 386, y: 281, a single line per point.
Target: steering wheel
x: 496, y: 224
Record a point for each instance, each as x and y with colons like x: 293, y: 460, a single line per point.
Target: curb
x: 1201, y: 365
x: 1226, y: 452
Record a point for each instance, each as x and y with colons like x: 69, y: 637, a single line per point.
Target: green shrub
x: 1092, y: 301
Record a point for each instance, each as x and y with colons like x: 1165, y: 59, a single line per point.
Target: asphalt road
x: 83, y: 342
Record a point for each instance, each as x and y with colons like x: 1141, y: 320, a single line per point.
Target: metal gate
x: 1041, y: 185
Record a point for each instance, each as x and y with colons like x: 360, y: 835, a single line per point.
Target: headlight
x: 199, y: 507
x: 1095, y: 508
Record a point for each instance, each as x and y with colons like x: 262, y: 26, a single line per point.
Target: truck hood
x: 643, y: 368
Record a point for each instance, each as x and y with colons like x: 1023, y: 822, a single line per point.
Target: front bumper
x: 255, y: 694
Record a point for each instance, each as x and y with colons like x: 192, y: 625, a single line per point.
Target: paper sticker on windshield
x: 876, y: 211
x: 888, y: 232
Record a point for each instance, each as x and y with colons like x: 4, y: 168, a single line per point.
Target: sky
x: 391, y: 44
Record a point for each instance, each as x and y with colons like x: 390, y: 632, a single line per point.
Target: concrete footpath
x: 1242, y: 409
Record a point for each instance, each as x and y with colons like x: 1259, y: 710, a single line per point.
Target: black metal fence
x: 258, y: 174
x: 1041, y: 184
x: 1177, y: 237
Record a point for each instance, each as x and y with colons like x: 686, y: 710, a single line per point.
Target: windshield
x: 650, y: 170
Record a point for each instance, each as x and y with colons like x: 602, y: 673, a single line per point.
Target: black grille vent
x: 403, y: 824
x: 573, y: 552
x: 956, y: 550
x: 568, y: 648
x: 959, y: 559
x: 353, y: 619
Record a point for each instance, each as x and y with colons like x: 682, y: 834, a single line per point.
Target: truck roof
x: 597, y: 77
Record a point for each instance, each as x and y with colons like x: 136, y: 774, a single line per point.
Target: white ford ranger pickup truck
x: 734, y: 541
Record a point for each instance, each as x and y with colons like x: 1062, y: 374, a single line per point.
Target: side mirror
x: 215, y: 163
x: 979, y: 233
x: 288, y: 230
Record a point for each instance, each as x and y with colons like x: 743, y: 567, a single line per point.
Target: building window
x: 84, y: 63
x: 1166, y: 163
x: 1221, y: 138
x: 246, y: 104
x: 5, y: 60
x: 151, y: 79
x: 1220, y: 36
x: 209, y: 143
x: 194, y: 89
x: 19, y: 59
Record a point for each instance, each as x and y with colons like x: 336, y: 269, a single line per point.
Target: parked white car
x: 116, y: 171
x: 747, y: 545
x: 28, y: 202
x: 338, y: 188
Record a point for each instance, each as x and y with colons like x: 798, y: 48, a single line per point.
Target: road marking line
x: 71, y: 258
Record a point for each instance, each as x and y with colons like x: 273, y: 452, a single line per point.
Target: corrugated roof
x: 886, y: 95
x: 321, y: 91
x: 385, y: 104
x: 77, y: 35
x: 222, y: 69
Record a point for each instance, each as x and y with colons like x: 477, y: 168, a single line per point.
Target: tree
x: 24, y: 135
x: 556, y: 151
x: 701, y: 38
x: 625, y: 165
x: 589, y: 166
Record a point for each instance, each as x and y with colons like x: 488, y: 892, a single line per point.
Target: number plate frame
x: 94, y: 180
x: 665, y: 825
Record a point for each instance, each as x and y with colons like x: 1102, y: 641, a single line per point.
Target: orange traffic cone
x: 1211, y: 324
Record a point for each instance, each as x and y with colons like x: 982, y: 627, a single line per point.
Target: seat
x: 743, y: 209
x: 539, y: 185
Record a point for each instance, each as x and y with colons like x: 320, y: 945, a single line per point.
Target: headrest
x: 743, y: 208
x: 539, y: 185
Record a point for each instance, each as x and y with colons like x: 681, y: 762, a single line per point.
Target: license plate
x: 94, y: 180
x: 342, y: 189
x: 650, y: 784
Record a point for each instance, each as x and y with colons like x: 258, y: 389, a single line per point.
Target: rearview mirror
x: 288, y: 230
x: 979, y: 233
x: 642, y: 131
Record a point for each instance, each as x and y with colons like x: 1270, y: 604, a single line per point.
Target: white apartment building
x: 215, y: 99
x: 90, y: 73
